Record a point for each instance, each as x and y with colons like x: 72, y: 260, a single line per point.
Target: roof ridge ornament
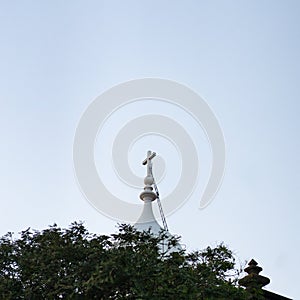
x: 253, y: 280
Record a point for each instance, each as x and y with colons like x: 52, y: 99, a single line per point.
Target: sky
x: 242, y: 57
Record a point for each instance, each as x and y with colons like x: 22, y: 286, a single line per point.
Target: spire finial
x: 148, y: 161
x: 148, y: 193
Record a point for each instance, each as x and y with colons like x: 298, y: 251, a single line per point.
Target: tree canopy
x: 74, y: 264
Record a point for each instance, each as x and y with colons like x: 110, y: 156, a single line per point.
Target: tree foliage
x: 75, y: 264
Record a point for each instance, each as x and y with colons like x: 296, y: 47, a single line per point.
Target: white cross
x: 147, y: 161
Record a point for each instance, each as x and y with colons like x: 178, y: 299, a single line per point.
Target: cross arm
x: 149, y: 157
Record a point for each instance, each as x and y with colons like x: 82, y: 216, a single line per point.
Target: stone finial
x: 253, y: 280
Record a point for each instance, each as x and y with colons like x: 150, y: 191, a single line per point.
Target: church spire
x: 147, y: 219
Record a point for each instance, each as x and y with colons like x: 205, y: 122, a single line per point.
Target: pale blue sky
x: 242, y: 57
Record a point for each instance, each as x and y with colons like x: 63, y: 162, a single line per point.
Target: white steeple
x: 147, y: 219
